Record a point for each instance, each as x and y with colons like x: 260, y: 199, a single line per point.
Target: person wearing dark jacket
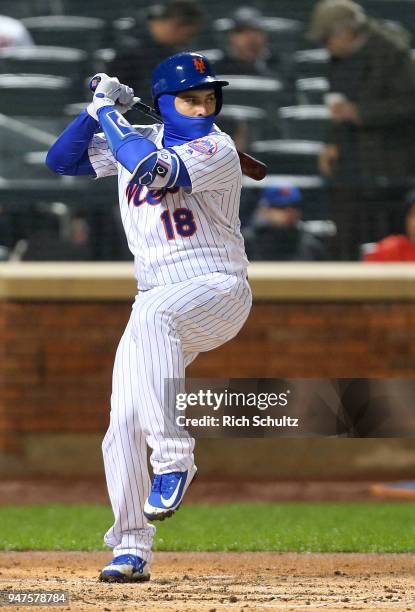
x: 370, y: 149
x: 276, y: 232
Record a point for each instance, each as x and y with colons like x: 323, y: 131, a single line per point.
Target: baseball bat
x: 250, y: 166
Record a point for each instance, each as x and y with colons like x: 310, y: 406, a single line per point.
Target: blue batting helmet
x: 181, y: 72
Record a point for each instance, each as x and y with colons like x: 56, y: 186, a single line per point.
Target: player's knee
x: 151, y: 317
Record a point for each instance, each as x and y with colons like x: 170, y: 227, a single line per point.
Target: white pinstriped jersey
x: 177, y: 234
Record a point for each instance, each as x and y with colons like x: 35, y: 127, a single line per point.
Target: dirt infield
x: 193, y: 582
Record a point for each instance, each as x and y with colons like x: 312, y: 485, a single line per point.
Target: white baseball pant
x: 168, y: 327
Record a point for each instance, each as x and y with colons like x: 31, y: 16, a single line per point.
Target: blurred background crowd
x: 322, y: 91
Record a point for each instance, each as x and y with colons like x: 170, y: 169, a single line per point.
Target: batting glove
x: 110, y: 92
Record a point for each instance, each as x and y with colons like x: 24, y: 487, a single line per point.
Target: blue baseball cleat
x: 125, y: 568
x: 167, y: 493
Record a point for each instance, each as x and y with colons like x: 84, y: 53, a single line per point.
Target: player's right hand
x: 327, y: 159
x: 127, y: 101
x: 110, y: 92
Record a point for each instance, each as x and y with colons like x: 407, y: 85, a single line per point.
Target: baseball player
x: 179, y: 190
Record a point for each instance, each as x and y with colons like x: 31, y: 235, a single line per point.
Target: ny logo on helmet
x: 199, y: 64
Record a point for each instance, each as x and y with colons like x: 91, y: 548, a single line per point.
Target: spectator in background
x: 13, y: 33
x: 168, y: 29
x: 247, y: 51
x: 400, y: 246
x: 372, y: 133
x: 57, y: 237
x: 276, y: 232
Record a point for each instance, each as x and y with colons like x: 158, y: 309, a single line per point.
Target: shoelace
x: 140, y: 566
x: 168, y: 484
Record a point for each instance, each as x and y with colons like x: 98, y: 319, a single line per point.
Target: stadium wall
x: 59, y: 328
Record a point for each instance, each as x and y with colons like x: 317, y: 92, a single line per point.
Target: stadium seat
x: 288, y: 156
x: 285, y: 36
x: 311, y: 90
x: 243, y: 123
x: 213, y: 55
x: 104, y: 9
x: 86, y: 33
x: 64, y: 62
x: 311, y: 63
x: 262, y: 92
x: 22, y: 140
x: 34, y: 165
x: 290, y: 9
x: 224, y: 9
x: 101, y: 60
x: 25, y: 8
x: 34, y: 94
x: 306, y: 122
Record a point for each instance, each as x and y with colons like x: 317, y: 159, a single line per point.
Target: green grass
x: 301, y: 527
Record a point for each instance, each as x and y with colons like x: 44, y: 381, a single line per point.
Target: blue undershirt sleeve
x: 69, y: 154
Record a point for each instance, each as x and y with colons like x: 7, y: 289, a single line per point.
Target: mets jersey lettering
x: 176, y: 234
x: 140, y: 194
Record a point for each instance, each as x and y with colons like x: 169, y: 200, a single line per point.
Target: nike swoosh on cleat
x: 169, y: 502
x: 123, y: 569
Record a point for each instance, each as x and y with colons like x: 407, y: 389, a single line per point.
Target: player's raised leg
x: 170, y: 324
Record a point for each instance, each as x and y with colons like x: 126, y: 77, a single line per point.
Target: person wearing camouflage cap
x: 334, y: 16
x: 371, y: 137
